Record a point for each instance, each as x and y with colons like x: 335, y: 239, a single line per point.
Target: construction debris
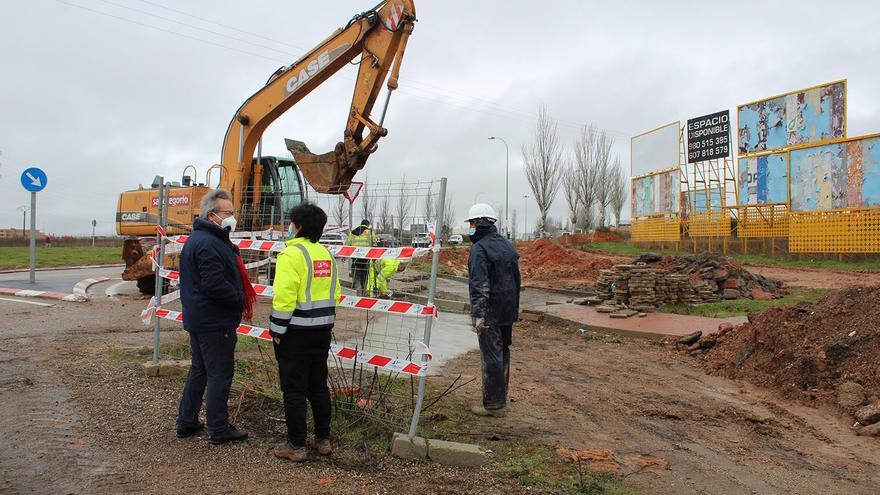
x: 651, y: 281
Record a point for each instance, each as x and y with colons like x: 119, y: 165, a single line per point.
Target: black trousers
x: 495, y: 360
x: 302, y: 371
x: 212, y: 367
x: 359, y: 271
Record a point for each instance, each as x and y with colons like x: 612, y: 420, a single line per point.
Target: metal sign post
x: 33, y: 180
x: 94, y: 223
x: 432, y: 289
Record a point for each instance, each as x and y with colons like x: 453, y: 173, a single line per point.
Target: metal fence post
x: 161, y: 220
x: 429, y: 321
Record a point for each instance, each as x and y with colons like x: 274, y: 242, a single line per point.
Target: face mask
x: 290, y: 231
x: 228, y: 223
x: 472, y: 231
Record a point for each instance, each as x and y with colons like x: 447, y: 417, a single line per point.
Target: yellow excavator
x: 264, y: 188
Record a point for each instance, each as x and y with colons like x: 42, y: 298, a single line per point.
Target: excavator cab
x: 279, y: 187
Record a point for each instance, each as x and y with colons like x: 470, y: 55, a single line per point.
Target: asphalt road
x: 56, y: 280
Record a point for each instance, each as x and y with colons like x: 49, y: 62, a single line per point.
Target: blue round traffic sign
x: 33, y: 179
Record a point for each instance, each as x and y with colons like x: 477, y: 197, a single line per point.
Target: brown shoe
x: 322, y: 446
x: 479, y: 410
x: 294, y: 454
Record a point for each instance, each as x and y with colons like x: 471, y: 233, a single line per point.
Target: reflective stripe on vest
x: 315, y: 313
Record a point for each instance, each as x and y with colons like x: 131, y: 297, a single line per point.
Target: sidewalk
x: 655, y: 325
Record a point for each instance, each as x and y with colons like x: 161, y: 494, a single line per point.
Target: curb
x: 81, y: 288
x: 54, y: 268
x: 43, y: 294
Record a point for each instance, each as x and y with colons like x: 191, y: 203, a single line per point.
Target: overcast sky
x: 105, y: 94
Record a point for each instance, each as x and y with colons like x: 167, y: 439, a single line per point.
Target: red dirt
x: 545, y: 263
x: 807, y: 350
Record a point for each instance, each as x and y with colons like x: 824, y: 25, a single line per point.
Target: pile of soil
x: 714, y: 274
x: 543, y: 262
x: 808, y: 351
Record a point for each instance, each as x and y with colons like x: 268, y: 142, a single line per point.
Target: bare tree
x: 585, y: 175
x: 448, y: 214
x: 513, y: 224
x: 619, y: 190
x: 385, y: 217
x: 543, y: 163
x: 572, y: 191
x: 339, y: 210
x: 605, y: 173
x: 404, y: 205
x: 368, y: 204
x: 429, y: 206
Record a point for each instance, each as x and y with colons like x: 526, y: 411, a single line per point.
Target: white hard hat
x: 482, y: 210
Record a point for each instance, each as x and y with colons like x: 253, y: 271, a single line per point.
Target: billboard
x: 655, y: 150
x: 763, y: 179
x: 655, y: 194
x: 801, y: 117
x: 700, y: 200
x: 836, y: 175
x: 708, y: 137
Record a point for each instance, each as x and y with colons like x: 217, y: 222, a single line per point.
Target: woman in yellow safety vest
x: 306, y: 290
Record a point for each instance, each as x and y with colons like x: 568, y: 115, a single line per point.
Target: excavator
x: 264, y: 188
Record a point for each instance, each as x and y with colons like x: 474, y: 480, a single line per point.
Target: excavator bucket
x: 329, y: 173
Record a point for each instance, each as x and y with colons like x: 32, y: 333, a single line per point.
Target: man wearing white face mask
x: 214, y: 298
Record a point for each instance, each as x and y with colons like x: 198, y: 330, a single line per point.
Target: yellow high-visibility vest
x: 306, y: 287
x: 380, y: 272
x: 365, y: 239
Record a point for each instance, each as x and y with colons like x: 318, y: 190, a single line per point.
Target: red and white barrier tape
x: 384, y: 362
x: 347, y: 301
x: 357, y: 252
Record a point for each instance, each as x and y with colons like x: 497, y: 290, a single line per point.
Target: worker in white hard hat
x: 494, y: 284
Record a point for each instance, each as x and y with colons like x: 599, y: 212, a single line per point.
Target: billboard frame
x: 803, y: 145
x: 678, y: 165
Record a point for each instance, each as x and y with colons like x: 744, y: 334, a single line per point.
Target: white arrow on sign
x: 34, y: 180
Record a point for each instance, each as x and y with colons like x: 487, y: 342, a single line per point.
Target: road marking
x: 25, y: 302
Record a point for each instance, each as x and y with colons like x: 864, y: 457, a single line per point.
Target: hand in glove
x: 479, y: 324
x: 276, y: 337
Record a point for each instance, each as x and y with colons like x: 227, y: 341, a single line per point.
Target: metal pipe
x: 157, y: 294
x: 33, y: 263
x: 432, y: 290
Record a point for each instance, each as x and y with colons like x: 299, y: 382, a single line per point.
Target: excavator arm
x: 378, y: 36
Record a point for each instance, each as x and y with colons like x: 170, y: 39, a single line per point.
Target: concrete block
x: 170, y: 367
x: 529, y: 316
x: 405, y: 448
x: 439, y: 451
x: 455, y: 454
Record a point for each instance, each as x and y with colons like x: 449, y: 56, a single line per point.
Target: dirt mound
x: 809, y: 350
x: 543, y: 262
x: 456, y: 259
x: 713, y: 274
x: 581, y: 239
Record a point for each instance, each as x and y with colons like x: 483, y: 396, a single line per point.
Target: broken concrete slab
x: 440, y: 451
x: 170, y: 367
x: 626, y: 313
x: 526, y: 316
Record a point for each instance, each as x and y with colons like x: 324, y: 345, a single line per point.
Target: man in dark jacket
x: 213, y: 299
x: 494, y: 284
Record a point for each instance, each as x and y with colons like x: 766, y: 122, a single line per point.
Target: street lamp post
x: 526, y: 214
x: 506, y: 184
x: 23, y: 210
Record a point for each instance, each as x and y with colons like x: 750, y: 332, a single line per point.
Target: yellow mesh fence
x: 660, y: 228
x: 763, y: 221
x: 852, y: 230
x: 714, y: 223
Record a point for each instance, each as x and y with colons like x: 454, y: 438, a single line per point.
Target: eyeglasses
x: 228, y: 212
